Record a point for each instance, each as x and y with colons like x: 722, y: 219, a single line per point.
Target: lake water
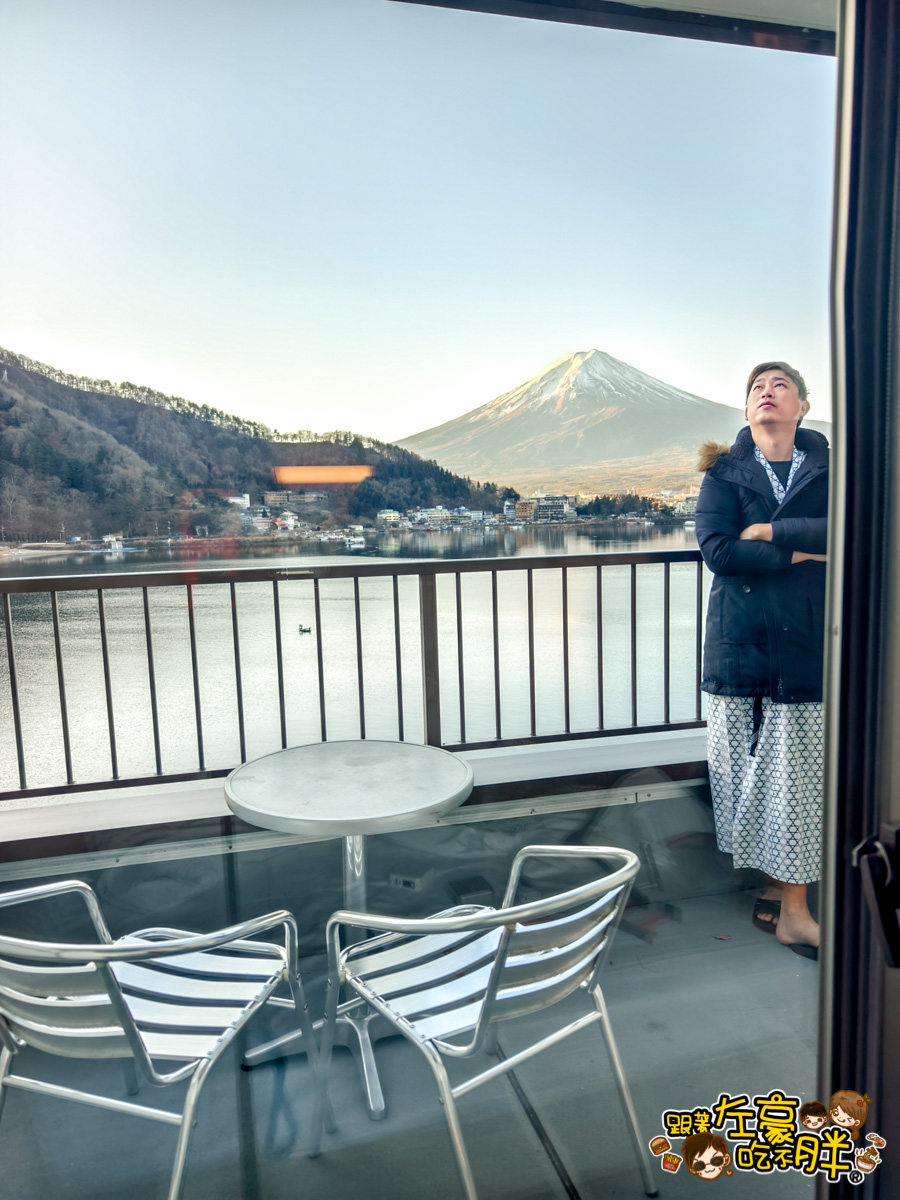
x: 83, y: 665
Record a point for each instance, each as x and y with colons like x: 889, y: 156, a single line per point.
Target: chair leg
x: 186, y: 1132
x: 5, y: 1060
x: 459, y: 1146
x: 321, y: 1105
x: 130, y: 1075
x: 312, y: 1052
x: 640, y: 1148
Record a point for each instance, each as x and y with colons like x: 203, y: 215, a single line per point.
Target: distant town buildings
x: 288, y: 512
x: 279, y: 499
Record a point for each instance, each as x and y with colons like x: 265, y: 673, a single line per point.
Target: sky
x: 367, y: 215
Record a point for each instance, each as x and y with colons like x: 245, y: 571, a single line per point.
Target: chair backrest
x: 502, y: 963
x: 63, y: 1010
x: 62, y: 1006
x: 552, y: 946
x: 546, y: 959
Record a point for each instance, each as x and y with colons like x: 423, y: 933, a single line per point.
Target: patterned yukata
x: 765, y: 774
x: 765, y: 771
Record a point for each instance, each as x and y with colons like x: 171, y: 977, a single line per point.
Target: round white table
x: 347, y: 789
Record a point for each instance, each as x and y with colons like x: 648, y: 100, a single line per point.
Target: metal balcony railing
x: 136, y: 678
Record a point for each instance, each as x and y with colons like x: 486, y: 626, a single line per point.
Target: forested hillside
x: 90, y: 457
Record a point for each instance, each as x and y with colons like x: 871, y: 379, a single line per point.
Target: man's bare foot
x: 797, y: 927
x: 767, y: 914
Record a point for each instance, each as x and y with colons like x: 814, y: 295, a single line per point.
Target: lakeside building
x: 238, y: 499
x: 686, y: 507
x: 425, y: 516
x: 552, y: 508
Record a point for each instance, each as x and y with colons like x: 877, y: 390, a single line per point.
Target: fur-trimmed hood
x: 709, y: 452
x: 806, y: 439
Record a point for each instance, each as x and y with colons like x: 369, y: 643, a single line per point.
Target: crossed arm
x: 772, y: 532
x: 730, y: 547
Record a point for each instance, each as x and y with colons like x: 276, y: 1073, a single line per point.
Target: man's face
x: 813, y: 1122
x: 710, y: 1164
x: 774, y: 400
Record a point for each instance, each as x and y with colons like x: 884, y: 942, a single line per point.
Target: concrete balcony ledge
x: 555, y: 760
x: 67, y: 814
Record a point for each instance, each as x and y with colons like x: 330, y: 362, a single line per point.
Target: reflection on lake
x: 490, y: 542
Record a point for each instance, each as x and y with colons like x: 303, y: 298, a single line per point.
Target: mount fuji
x: 589, y: 422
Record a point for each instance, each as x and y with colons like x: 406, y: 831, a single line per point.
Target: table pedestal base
x: 356, y: 1033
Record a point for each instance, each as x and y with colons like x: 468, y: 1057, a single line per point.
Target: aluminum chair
x: 458, y: 973
x: 155, y: 996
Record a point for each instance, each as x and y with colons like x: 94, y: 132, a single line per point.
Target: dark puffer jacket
x: 765, y: 627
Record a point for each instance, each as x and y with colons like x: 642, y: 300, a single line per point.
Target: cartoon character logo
x: 705, y: 1155
x: 849, y: 1110
x: 813, y: 1115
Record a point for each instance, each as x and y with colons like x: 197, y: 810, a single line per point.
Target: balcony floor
x: 695, y: 1015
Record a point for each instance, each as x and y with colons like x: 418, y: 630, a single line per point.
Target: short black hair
x: 792, y: 373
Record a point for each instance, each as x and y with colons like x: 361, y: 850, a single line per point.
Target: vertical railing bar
x: 599, y: 646
x: 399, y: 658
x: 667, y: 634
x: 151, y: 679
x: 431, y: 662
x: 698, y: 649
x: 459, y: 658
x: 359, y: 659
x: 279, y: 664
x: 634, y: 644
x: 531, y: 692
x: 496, y: 624
x: 61, y: 684
x: 14, y: 690
x: 107, y: 683
x: 565, y: 647
x: 238, y: 682
x: 319, y: 658
x: 195, y: 671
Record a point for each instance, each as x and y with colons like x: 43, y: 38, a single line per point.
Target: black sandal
x: 772, y: 907
x: 804, y: 950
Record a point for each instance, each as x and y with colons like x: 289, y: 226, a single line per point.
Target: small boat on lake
x: 304, y: 628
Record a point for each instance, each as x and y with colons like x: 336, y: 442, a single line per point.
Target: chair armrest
x: 182, y: 943
x: 178, y: 941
